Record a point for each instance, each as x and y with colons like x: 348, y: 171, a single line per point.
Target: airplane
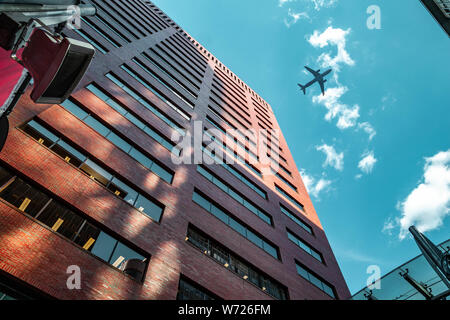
x: 318, y: 78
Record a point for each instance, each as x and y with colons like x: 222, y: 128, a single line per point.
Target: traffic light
x: 56, y: 65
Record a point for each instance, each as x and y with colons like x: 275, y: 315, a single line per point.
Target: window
x: 305, y: 246
x: 189, y: 290
x: 290, y: 198
x: 113, y: 103
x: 297, y: 220
x: 63, y: 220
x: 315, y: 280
x: 235, y: 264
x: 94, y: 171
x: 208, y: 174
x: 101, y: 32
x: 148, y: 105
x: 117, y: 141
x: 237, y: 174
x: 290, y: 185
x: 236, y: 225
x: 91, y: 40
x: 157, y: 93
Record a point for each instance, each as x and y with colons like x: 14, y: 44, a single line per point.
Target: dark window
x: 315, y: 280
x: 188, y: 290
x: 66, y: 222
x: 235, y: 264
x: 236, y: 225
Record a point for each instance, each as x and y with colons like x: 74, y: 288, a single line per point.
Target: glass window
x: 99, y: 93
x: 149, y: 208
x: 40, y: 134
x: 119, y: 142
x: 68, y: 153
x: 265, y: 218
x: 236, y: 196
x: 96, y: 172
x: 61, y: 220
x: 161, y: 172
x: 271, y: 250
x: 123, y: 253
x: 97, y: 126
x: 254, y: 238
x: 238, y: 227
x: 103, y: 246
x: 74, y: 109
x: 138, y: 123
x: 24, y: 197
x: 123, y: 191
x: 145, y: 161
x: 5, y: 176
x: 113, y: 104
x: 219, y: 213
x: 87, y: 236
x: 201, y: 201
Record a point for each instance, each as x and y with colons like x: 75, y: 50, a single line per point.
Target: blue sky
x: 375, y: 152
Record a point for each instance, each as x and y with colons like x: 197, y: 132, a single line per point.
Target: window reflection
x: 64, y: 221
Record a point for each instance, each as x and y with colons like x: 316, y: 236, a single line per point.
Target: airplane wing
x: 312, y: 71
x: 322, y: 86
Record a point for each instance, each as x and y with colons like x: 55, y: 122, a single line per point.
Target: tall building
x: 89, y: 187
x: 440, y: 10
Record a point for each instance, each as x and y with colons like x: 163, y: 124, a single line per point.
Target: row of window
x: 181, y: 57
x: 168, y: 55
x: 146, y: 103
x: 297, y: 220
x: 224, y: 186
x: 236, y: 225
x: 167, y: 85
x: 169, y: 74
x: 112, y: 28
x: 222, y: 76
x: 227, y: 107
x: 120, y: 108
x: 160, y: 60
x: 305, y: 246
x: 95, y: 171
x: 190, y: 47
x: 106, y: 36
x: 187, y: 57
x: 59, y: 218
x: 218, y: 110
x: 249, y: 183
x: 236, y: 264
x: 125, y: 146
x: 188, y: 290
x: 236, y: 141
x: 290, y: 198
x: 97, y: 45
x: 200, y: 63
x: 287, y: 182
x: 222, y: 86
x: 315, y: 280
x: 231, y: 152
x: 156, y: 92
x: 230, y: 96
x: 114, y: 17
x: 221, y: 117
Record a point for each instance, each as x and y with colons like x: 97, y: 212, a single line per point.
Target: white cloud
x: 282, y: 2
x: 333, y: 159
x: 367, y: 127
x: 367, y: 162
x: 315, y: 187
x: 332, y: 36
x: 347, y: 116
x: 294, y: 17
x: 429, y: 203
x: 318, y: 4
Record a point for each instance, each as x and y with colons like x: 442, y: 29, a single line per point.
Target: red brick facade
x: 32, y: 252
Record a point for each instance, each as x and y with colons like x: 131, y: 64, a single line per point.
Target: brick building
x: 91, y: 182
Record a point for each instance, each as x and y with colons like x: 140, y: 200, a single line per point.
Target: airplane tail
x: 302, y: 87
